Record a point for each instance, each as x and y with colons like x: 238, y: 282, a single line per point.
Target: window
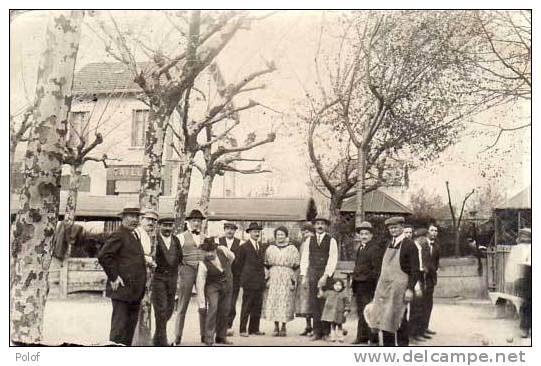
x: 78, y: 127
x: 140, y: 118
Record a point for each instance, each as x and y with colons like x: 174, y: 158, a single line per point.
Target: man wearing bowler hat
x: 164, y: 281
x: 190, y: 241
x: 318, y: 263
x: 123, y: 260
x: 250, y: 262
x: 233, y: 244
x: 365, y: 278
x: 399, y: 274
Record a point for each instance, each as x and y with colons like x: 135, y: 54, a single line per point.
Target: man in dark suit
x: 252, y: 280
x: 417, y: 305
x: 164, y: 281
x: 233, y: 244
x: 365, y: 278
x: 123, y: 260
x: 431, y: 276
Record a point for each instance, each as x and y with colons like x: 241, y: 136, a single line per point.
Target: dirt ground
x: 85, y: 319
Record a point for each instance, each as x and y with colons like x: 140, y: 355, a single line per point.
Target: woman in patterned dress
x: 281, y: 259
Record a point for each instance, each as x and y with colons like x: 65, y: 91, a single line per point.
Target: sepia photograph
x: 277, y: 178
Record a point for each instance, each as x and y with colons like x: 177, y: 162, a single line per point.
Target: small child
x: 336, y: 309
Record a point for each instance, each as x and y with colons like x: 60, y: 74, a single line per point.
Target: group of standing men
x: 386, y: 279
x: 394, y: 283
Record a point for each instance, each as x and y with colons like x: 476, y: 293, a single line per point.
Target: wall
x: 457, y: 277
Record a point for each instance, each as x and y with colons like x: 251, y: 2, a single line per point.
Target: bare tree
x: 457, y: 221
x: 391, y: 92
x: 224, y: 112
x: 36, y: 220
x: 499, y: 61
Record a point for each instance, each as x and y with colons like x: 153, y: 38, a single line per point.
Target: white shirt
x: 166, y: 241
x: 397, y: 240
x: 255, y: 244
x: 331, y: 261
x: 419, y: 249
x: 145, y: 239
x: 197, y: 238
x: 229, y: 242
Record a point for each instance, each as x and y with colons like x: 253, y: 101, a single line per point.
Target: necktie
x: 256, y: 246
x: 394, y: 242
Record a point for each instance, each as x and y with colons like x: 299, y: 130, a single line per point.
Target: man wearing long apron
x: 399, y: 273
x: 190, y: 240
x: 318, y: 263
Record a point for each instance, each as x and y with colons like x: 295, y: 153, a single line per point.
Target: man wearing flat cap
x: 233, y: 244
x: 251, y: 256
x: 365, y: 278
x: 399, y: 274
x: 164, y: 281
x: 123, y: 260
x: 318, y: 263
x: 190, y: 241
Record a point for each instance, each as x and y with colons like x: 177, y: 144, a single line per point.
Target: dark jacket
x: 251, y: 266
x: 122, y: 255
x: 235, y: 249
x: 367, y: 267
x: 433, y: 262
x: 168, y: 261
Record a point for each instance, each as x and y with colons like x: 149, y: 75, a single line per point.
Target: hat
x: 149, y: 213
x: 321, y: 218
x: 308, y: 226
x: 130, y: 209
x: 253, y: 226
x: 208, y: 245
x: 420, y: 232
x: 231, y: 225
x: 166, y: 218
x: 365, y: 225
x: 396, y: 220
x: 195, y: 214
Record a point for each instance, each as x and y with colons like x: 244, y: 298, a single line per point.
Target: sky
x: 290, y: 39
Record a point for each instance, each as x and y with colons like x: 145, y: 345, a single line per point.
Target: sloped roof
x: 377, y: 202
x: 106, y: 77
x: 522, y: 200
x: 237, y: 209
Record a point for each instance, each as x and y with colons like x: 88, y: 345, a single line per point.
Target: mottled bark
x: 361, y: 176
x: 204, y: 200
x: 183, y: 189
x: 151, y: 179
x: 37, y: 218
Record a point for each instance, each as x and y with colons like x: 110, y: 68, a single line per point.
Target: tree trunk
x: 361, y: 170
x: 183, y: 189
x: 457, y: 242
x: 336, y: 225
x: 151, y: 181
x: 204, y: 200
x: 71, y: 203
x: 37, y: 218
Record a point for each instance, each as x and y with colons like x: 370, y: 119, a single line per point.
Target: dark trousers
x: 233, y: 304
x: 252, y: 301
x: 363, y: 296
x: 163, y: 300
x: 320, y: 328
x: 418, y: 312
x: 124, y: 321
x: 217, y: 297
x: 428, y: 300
x: 525, y: 291
x: 402, y: 337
